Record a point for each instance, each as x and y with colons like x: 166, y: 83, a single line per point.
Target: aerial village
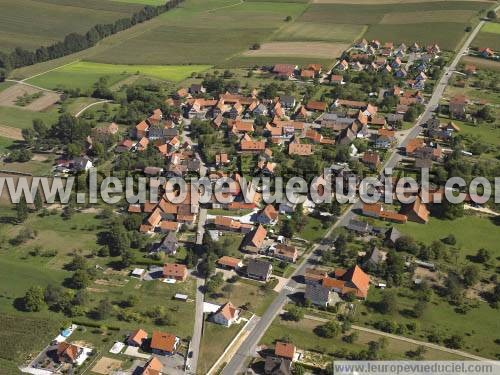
x: 268, y: 132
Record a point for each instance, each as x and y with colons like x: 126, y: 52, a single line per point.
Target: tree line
x: 74, y: 42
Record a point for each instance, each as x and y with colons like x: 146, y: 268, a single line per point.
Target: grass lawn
x: 248, y: 291
x: 313, y: 230
x: 143, y: 2
x: 479, y: 327
x: 221, y: 211
x: 487, y: 39
x: 486, y: 132
x: 5, y: 85
x: 84, y: 74
x: 213, y: 343
x: 22, y: 118
x: 5, y: 143
x: 471, y: 232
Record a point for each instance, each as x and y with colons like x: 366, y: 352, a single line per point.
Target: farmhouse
x: 286, y: 252
x: 320, y: 295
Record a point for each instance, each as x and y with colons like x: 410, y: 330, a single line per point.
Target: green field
x: 442, y: 22
x: 479, y: 327
x: 311, y: 31
x: 143, y: 2
x: 32, y: 23
x: 471, y: 232
x: 83, y: 74
x: 489, y: 36
x: 303, y: 336
x: 201, y: 32
x: 22, y: 118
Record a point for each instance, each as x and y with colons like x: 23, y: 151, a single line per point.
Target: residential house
x: 413, y: 145
x: 226, y: 315
x: 125, y: 146
x: 417, y: 211
x: 457, y: 106
x: 361, y: 227
x: 314, y: 275
x: 137, y: 338
x: 221, y: 159
x: 164, y: 343
x: 343, y: 65
x: 316, y: 106
x: 352, y: 281
x: 68, y: 353
x: 277, y: 366
x: 197, y: 89
x: 285, y: 350
x: 337, y: 79
x: 175, y: 271
x: 169, y: 244
x: 301, y: 149
x: 287, y: 101
x: 254, y: 241
x: 268, y: 216
x: 371, y: 159
x: 376, y: 258
x: 260, y: 110
x: 320, y: 295
x: 287, y: 253
x: 230, y: 262
x: 392, y: 235
x: 141, y: 129
x: 487, y: 52
x: 259, y: 269
x: 285, y: 70
x: 152, y: 367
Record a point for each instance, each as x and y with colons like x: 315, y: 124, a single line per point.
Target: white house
x: 226, y: 315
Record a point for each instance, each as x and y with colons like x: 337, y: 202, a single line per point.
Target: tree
x: 450, y: 240
x: 255, y: 46
x: 34, y: 299
x: 406, y: 243
x: 389, y: 303
x: 419, y: 308
x: 455, y: 342
x: 103, y: 310
x: 22, y: 210
x: 38, y: 201
x: 77, y: 263
x: 452, y: 211
x: 483, y: 256
x: 470, y: 275
x: 298, y: 369
x: 80, y: 279
x: 127, y: 257
x: 28, y: 136
x: 288, y: 18
x: 328, y: 330
x: 294, y: 313
x: 491, y: 15
x: 119, y: 240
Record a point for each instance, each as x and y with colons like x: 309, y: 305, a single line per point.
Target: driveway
x: 132, y: 351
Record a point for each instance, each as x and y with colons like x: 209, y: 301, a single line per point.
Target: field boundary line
x: 225, y: 6
x: 47, y: 71
x: 30, y: 85
x: 91, y: 105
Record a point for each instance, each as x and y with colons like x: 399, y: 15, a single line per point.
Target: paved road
x: 194, y: 345
x: 248, y: 347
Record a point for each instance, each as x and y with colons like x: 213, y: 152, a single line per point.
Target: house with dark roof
x: 320, y: 295
x: 376, y: 258
x: 259, y: 269
x: 169, y: 244
x: 360, y: 227
x: 392, y: 235
x: 268, y: 216
x: 277, y: 366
